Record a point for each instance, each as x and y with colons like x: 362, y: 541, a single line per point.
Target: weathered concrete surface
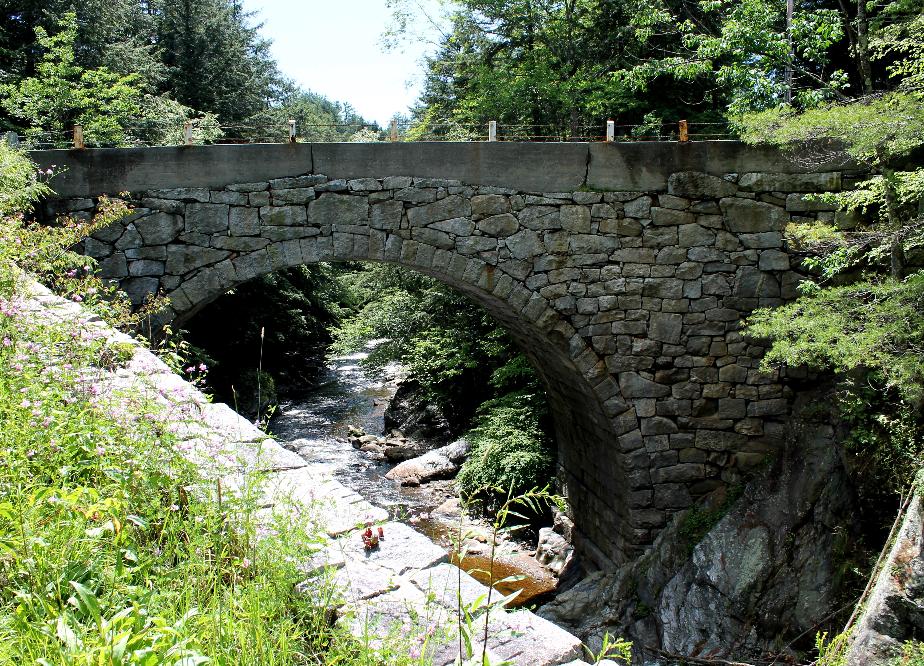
x: 405, y: 579
x: 540, y: 167
x: 894, y: 612
x: 629, y: 302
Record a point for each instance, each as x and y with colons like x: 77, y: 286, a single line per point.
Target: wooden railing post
x: 187, y: 133
x: 393, y: 129
x: 610, y: 131
x: 492, y: 130
x: 291, y: 131
x: 684, y: 131
x: 78, y: 138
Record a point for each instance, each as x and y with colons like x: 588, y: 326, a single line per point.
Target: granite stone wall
x: 629, y: 304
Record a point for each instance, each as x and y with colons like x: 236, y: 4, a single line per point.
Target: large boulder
x: 440, y: 463
x: 417, y: 418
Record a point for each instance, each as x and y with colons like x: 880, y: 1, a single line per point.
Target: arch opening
x: 588, y: 467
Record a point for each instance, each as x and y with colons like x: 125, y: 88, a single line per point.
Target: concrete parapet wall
x: 530, y: 167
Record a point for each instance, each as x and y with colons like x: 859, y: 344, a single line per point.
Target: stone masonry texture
x: 629, y: 303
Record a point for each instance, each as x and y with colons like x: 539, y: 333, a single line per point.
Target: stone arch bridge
x: 623, y: 271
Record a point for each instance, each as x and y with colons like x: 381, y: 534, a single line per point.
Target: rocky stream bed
x: 333, y: 427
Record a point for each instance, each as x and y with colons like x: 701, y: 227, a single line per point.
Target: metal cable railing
x: 200, y: 132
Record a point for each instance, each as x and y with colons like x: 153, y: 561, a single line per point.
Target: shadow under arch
x: 584, y: 401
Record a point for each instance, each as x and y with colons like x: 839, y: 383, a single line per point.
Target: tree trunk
x: 896, y: 249
x: 862, y: 48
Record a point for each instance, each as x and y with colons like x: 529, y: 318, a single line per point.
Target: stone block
x: 416, y: 195
x: 633, y: 385
x: 459, y: 226
x: 669, y: 216
x: 239, y: 243
x: 433, y: 237
x: 525, y: 244
x: 228, y: 197
x: 244, y: 221
x: 339, y: 209
x: 486, y: 205
x: 444, y: 209
x: 671, y: 201
x: 143, y: 267
x: 773, y: 260
x: 665, y: 327
x: 259, y: 199
x: 719, y: 440
x: 283, y: 216
x: 799, y: 203
x: 206, y: 218
x: 748, y: 216
x: 733, y: 373
x: 693, y: 235
x: 386, y: 216
x: 364, y: 185
x: 182, y: 259
x: 638, y: 208
x: 678, y: 473
x: 499, y: 225
x: 658, y: 425
x: 298, y: 196
x: 790, y: 182
x: 698, y: 185
x: 575, y: 219
x: 138, y: 288
x: 130, y: 238
x: 199, y: 194
x: 297, y: 182
x: 396, y: 182
x: 114, y: 266
x: 159, y: 228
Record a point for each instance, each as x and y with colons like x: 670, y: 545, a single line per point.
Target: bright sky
x: 334, y: 48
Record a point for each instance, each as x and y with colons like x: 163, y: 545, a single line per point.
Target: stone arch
x: 624, y: 269
x: 584, y: 400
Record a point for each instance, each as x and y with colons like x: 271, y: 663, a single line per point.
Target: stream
x: 316, y: 426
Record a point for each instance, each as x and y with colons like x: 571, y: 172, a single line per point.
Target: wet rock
x: 403, y: 452
x: 553, y: 551
x: 439, y: 463
x: 416, y: 417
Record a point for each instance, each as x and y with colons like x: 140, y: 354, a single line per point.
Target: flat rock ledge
x: 405, y: 585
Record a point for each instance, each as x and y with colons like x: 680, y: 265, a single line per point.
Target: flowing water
x: 316, y: 426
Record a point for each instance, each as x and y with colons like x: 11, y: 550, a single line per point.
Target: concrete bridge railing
x: 622, y: 270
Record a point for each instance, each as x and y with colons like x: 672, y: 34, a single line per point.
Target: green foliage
x: 292, y: 308
x: 873, y: 131
x: 21, y: 183
x: 885, y: 446
x: 744, y: 48
x: 510, y: 451
x: 612, y: 649
x: 863, y: 326
x: 62, y: 94
x: 215, y: 60
x: 464, y: 362
x: 912, y: 655
x: 539, y: 68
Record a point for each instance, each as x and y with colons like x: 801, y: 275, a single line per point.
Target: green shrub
x: 510, y: 452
